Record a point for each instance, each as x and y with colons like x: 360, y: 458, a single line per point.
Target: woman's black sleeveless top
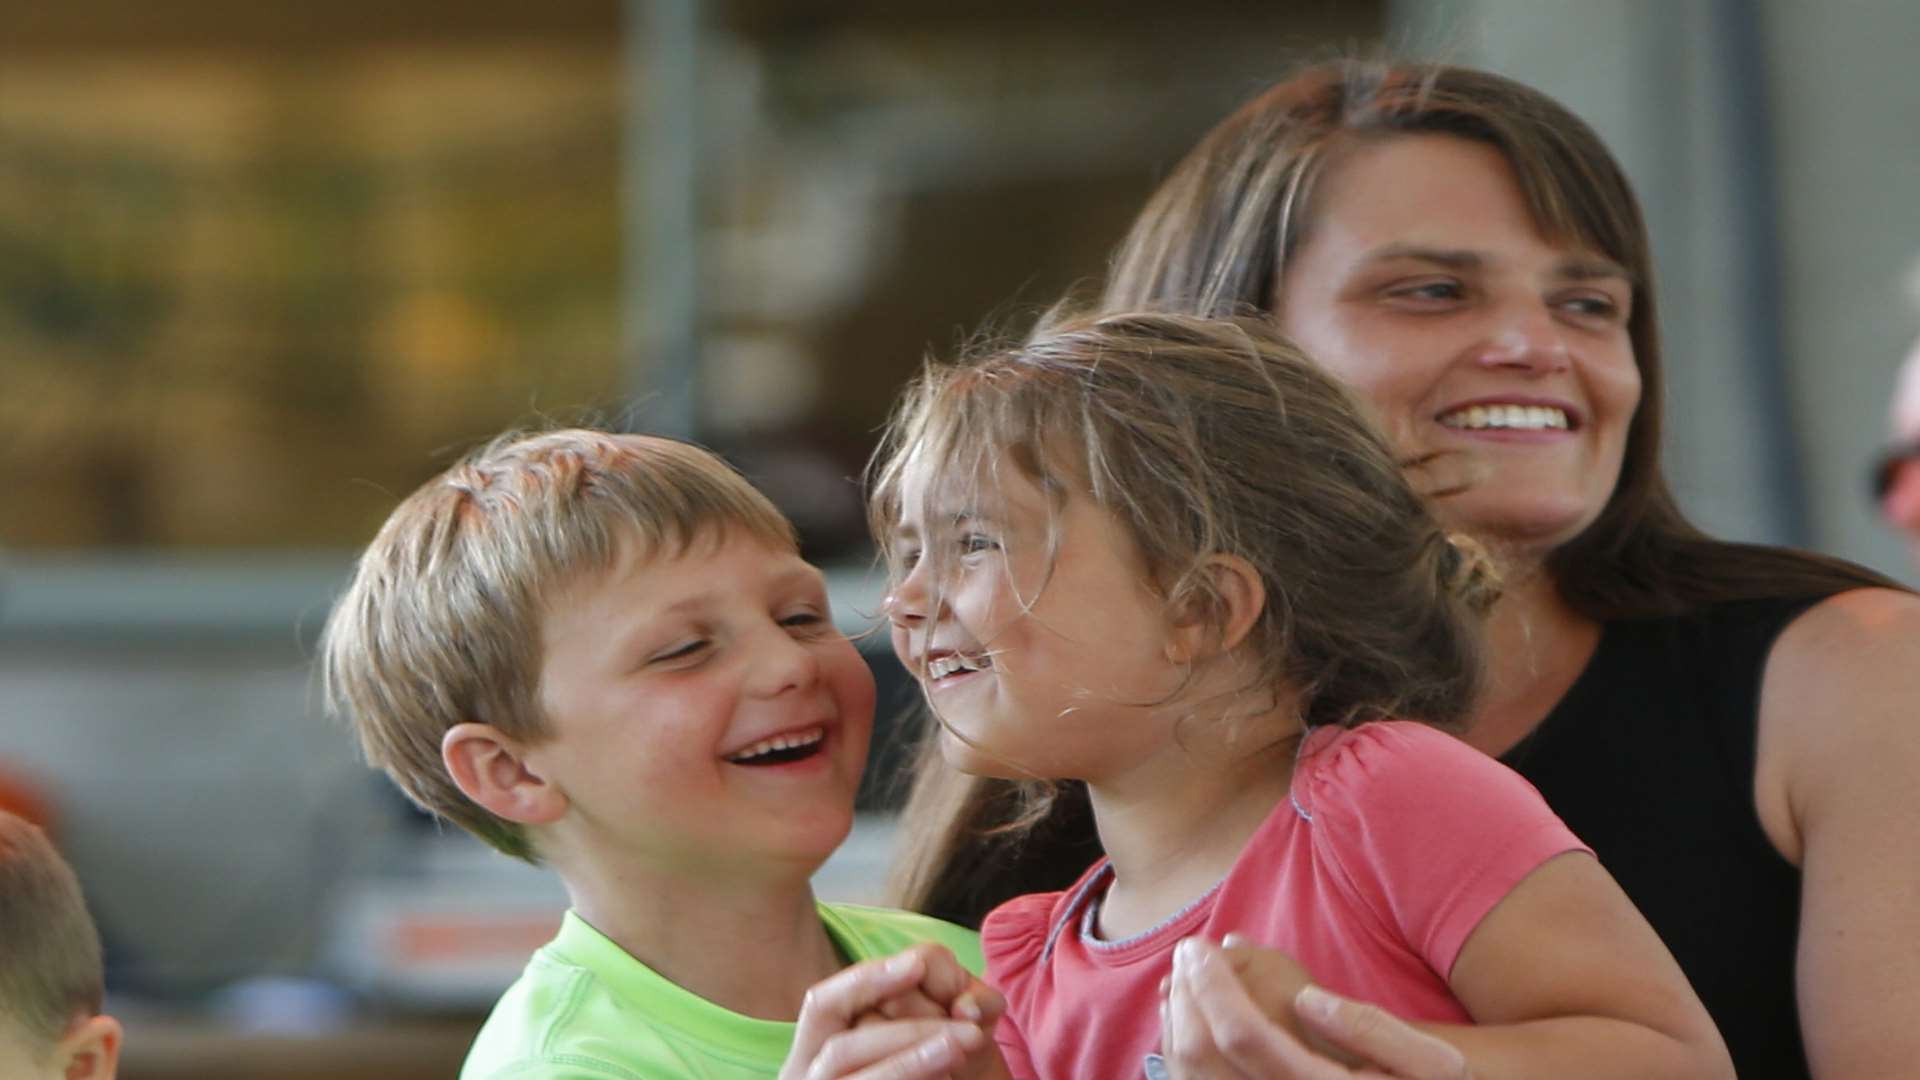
x: 1649, y: 758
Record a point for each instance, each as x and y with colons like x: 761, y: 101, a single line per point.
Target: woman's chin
x: 1520, y: 534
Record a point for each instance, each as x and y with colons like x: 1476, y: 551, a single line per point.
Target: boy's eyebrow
x: 805, y: 575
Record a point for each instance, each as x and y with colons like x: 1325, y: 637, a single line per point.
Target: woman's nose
x: 1524, y: 336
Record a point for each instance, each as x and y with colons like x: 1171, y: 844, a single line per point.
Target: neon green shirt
x: 586, y: 1010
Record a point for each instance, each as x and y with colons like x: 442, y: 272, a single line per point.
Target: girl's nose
x: 907, y: 603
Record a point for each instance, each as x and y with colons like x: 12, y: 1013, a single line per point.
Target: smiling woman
x: 1470, y: 333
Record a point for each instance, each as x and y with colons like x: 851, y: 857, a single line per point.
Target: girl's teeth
x: 944, y: 666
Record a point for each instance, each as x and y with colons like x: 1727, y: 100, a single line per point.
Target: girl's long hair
x: 1199, y: 438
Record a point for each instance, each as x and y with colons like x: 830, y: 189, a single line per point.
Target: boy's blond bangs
x: 441, y: 623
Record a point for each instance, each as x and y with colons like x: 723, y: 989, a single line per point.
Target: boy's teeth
x: 941, y: 667
x: 779, y: 742
x: 1521, y: 417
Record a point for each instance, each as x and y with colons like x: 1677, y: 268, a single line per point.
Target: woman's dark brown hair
x: 1215, y: 239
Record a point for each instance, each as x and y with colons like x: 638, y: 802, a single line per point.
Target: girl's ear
x: 491, y: 769
x: 1202, y: 628
x: 90, y: 1050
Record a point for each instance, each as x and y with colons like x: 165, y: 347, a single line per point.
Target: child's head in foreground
x: 51, y: 986
x: 1164, y: 513
x: 584, y: 646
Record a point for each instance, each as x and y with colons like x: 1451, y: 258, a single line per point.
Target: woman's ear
x: 491, y: 769
x: 1218, y: 623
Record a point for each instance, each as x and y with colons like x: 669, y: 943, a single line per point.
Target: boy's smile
x: 704, y: 709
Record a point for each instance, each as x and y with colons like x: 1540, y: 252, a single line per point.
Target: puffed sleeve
x: 1427, y: 832
x: 1013, y: 939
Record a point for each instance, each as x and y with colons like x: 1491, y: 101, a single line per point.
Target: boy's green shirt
x: 586, y: 1010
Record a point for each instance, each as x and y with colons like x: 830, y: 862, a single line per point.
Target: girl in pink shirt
x: 1165, y: 558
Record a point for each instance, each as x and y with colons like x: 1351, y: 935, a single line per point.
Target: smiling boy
x: 603, y: 652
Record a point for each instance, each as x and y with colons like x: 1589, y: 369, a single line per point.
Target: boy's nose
x: 788, y: 665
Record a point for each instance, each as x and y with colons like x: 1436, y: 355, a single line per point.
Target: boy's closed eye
x: 679, y: 651
x: 806, y: 620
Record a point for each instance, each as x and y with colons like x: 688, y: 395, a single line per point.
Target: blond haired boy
x: 50, y: 973
x: 603, y: 652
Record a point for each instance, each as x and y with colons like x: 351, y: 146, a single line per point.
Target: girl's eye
x: 976, y: 543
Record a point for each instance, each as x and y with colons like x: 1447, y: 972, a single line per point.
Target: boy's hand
x: 919, y: 1015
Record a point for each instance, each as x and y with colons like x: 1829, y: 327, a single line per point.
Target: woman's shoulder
x: 1860, y: 643
x: 1850, y: 655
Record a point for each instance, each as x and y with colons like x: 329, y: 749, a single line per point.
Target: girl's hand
x: 903, y: 1050
x: 1213, y: 1028
x: 1442, y: 474
x: 946, y: 990
x: 924, y: 979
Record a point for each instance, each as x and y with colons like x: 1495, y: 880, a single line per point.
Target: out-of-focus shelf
x: 159, y: 1049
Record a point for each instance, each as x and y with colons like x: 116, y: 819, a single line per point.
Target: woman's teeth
x: 953, y: 663
x: 1521, y: 417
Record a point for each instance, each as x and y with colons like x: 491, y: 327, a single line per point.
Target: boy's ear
x: 491, y: 769
x: 1202, y: 628
x: 90, y: 1050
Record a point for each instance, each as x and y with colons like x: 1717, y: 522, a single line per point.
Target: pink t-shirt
x: 1396, y: 842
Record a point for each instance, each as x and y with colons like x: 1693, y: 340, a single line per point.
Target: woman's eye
x: 1428, y: 292
x: 1604, y: 308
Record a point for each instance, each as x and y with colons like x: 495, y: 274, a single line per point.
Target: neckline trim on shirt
x: 1092, y: 911
x: 1083, y: 905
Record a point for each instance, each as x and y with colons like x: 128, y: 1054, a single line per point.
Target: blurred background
x: 265, y: 267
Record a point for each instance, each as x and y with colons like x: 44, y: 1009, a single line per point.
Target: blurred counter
x: 429, y: 1049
